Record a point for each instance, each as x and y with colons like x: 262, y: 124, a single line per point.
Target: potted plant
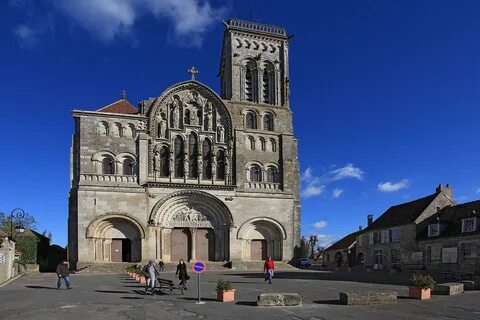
x: 421, y: 286
x: 225, y: 292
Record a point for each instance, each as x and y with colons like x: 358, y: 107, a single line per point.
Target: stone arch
x: 115, y: 237
x: 264, y: 234
x: 194, y: 223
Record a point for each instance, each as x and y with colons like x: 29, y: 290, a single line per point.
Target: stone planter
x: 419, y: 293
x: 226, y: 296
x: 142, y: 279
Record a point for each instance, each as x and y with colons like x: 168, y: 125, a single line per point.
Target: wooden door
x: 202, y: 244
x: 179, y: 244
x: 258, y: 250
x: 116, y: 250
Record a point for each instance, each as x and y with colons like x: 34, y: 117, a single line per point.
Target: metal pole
x: 11, y: 225
x: 198, y: 290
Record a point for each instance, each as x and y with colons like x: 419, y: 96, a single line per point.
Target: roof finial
x: 123, y: 95
x: 193, y: 71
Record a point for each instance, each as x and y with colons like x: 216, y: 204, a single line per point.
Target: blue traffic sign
x: 199, y: 267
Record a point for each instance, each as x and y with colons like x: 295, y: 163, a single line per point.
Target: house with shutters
x: 450, y: 238
x: 342, y: 252
x: 391, y: 240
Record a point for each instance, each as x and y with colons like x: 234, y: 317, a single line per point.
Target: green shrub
x: 27, y: 245
x: 224, y: 285
x: 422, y: 281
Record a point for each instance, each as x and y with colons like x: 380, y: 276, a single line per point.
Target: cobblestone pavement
x: 114, y: 296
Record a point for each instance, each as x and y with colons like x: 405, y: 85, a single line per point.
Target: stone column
x: 142, y: 158
x: 219, y: 244
x: 107, y: 250
x: 158, y: 244
x: 166, y: 245
x: 277, y: 87
x: 193, y: 232
x: 258, y: 97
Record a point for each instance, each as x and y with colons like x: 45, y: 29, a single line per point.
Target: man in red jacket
x: 269, y: 267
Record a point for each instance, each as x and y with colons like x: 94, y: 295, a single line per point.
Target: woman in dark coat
x: 182, y: 273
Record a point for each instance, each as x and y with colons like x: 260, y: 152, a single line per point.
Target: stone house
x: 390, y: 241
x: 342, y: 252
x: 450, y: 239
x: 7, y: 257
x: 192, y: 174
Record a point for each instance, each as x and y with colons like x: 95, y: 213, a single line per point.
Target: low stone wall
x: 366, y: 298
x: 449, y: 289
x: 279, y: 299
x: 468, y: 284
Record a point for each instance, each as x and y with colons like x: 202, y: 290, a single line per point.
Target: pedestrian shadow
x: 139, y: 286
x: 41, y: 287
x: 112, y: 291
x: 132, y: 298
x: 332, y: 302
x: 246, y: 303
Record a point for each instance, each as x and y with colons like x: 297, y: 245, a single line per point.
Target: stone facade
x: 7, y: 257
x: 391, y: 241
x: 192, y: 174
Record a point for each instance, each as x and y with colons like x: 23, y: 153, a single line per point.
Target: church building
x: 192, y: 174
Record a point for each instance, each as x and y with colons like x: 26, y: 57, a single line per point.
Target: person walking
x: 161, y: 266
x: 63, y: 273
x: 150, y: 273
x: 182, y: 273
x: 269, y: 268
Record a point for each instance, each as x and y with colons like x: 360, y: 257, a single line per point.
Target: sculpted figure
x: 176, y: 116
x: 171, y: 163
x: 214, y: 168
x: 193, y: 117
x: 185, y: 167
x: 156, y: 160
x: 221, y: 133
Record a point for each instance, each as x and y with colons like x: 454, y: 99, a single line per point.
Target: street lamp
x: 21, y: 218
x: 313, y: 242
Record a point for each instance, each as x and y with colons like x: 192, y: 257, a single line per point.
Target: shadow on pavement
x: 334, y: 302
x: 354, y: 276
x: 132, y: 298
x: 195, y: 299
x: 41, y: 287
x: 246, y: 303
x: 112, y: 291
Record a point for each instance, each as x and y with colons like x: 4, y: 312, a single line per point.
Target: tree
x: 303, y: 250
x: 25, y: 220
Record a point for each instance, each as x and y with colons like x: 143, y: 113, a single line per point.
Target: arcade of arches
x: 189, y: 225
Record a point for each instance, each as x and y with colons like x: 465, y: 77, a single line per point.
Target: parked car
x: 303, y: 263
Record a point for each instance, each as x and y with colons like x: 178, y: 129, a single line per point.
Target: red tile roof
x: 120, y: 106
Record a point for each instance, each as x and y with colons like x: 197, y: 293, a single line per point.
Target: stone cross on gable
x: 193, y: 71
x: 123, y: 95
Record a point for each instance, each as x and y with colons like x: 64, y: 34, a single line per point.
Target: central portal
x: 193, y: 225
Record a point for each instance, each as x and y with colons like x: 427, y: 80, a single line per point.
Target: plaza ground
x: 116, y: 296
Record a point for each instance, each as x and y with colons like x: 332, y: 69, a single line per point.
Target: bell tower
x: 254, y: 63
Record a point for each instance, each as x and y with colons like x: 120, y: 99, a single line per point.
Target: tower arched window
x: 272, y: 175
x: 193, y: 156
x: 263, y: 144
x: 273, y: 145
x: 249, y: 86
x: 164, y: 162
x: 252, y: 143
x: 108, y: 166
x: 186, y: 118
x: 128, y: 167
x: 268, y: 122
x: 268, y: 84
x: 255, y: 173
x: 102, y: 128
x: 179, y: 157
x: 207, y: 159
x: 220, y: 165
x: 251, y: 120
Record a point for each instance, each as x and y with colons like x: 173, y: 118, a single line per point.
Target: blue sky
x: 385, y: 94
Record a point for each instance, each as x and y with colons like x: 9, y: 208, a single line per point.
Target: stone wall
x: 7, y: 256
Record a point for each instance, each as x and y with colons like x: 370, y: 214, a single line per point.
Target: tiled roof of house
x: 401, y: 214
x: 120, y: 106
x: 345, y: 242
x: 451, y: 217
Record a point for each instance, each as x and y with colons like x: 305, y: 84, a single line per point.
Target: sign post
x: 199, y: 267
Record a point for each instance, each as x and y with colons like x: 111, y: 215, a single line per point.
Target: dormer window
x: 433, y: 230
x: 469, y: 224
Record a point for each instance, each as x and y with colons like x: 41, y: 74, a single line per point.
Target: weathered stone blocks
x: 468, y: 284
x: 449, y: 289
x: 279, y: 299
x: 369, y: 297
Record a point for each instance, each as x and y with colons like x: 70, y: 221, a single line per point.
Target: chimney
x: 439, y: 188
x: 447, y: 190
x: 359, y: 228
x: 369, y: 219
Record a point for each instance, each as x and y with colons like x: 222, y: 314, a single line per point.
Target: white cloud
x: 478, y: 191
x: 348, y: 171
x: 393, y: 186
x: 109, y: 20
x: 320, y: 225
x: 26, y: 34
x: 315, y: 185
x: 337, y: 192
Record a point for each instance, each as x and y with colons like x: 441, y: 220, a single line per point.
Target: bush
x: 224, y: 285
x: 131, y: 268
x: 27, y: 245
x: 422, y: 281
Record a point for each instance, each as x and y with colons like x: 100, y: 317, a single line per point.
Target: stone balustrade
x: 262, y: 185
x: 96, y: 177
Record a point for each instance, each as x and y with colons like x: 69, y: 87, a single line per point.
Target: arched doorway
x: 116, y: 238
x: 262, y: 238
x: 193, y: 225
x: 360, y: 259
